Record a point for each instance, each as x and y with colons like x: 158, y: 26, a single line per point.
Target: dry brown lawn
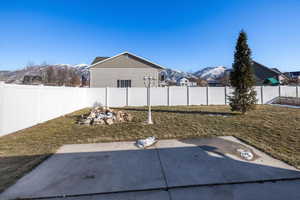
x: 275, y: 130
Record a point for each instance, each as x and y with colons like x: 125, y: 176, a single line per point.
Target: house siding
x: 123, y: 67
x: 107, y: 77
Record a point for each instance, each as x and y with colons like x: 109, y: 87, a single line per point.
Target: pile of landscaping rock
x: 105, y: 115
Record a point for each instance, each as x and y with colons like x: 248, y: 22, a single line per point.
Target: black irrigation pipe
x: 162, y: 188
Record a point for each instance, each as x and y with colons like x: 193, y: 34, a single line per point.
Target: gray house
x: 123, y: 70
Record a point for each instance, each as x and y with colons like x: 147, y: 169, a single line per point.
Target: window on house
x: 162, y: 77
x: 123, y: 83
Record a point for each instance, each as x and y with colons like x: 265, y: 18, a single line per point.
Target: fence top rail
x: 68, y: 87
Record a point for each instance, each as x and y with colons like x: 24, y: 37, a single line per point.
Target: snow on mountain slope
x: 208, y: 73
x: 174, y: 75
x: 211, y: 73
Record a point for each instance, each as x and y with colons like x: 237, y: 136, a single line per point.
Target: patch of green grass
x: 274, y: 130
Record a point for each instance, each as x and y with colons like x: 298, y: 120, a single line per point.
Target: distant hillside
x: 81, y: 70
x: 208, y: 73
x: 59, y: 72
x: 211, y: 73
x: 174, y: 75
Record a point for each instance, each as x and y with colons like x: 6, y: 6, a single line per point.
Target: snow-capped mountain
x: 82, y: 70
x: 174, y: 75
x: 210, y: 73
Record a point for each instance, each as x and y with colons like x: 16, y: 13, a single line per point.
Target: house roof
x: 272, y: 81
x: 193, y: 79
x: 98, y: 59
x: 276, y: 70
x: 262, y: 72
x: 131, y: 55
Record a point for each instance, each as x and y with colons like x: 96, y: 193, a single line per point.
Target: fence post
x: 262, y: 94
x: 39, y: 104
x: 127, y: 97
x: 206, y: 95
x: 188, y: 95
x: 225, y: 90
x: 297, y: 95
x: 106, y: 97
x: 168, y: 96
x: 279, y: 94
x: 2, y: 95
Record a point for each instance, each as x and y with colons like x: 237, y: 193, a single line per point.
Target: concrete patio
x: 209, y: 168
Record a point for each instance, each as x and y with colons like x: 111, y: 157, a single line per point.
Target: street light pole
x: 148, y: 81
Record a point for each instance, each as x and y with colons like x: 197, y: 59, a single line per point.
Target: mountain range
x: 208, y: 73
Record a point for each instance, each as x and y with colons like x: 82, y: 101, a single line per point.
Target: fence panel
x: 159, y: 96
x: 24, y: 106
x: 137, y: 96
x: 216, y: 95
x: 258, y: 90
x: 229, y: 92
x: 197, y: 96
x: 19, y: 108
x: 288, y: 91
x: 48, y: 98
x: 270, y: 93
x: 2, y: 114
x: 117, y: 97
x: 95, y: 96
x: 178, y: 96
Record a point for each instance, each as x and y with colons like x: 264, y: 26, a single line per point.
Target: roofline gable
x: 131, y: 54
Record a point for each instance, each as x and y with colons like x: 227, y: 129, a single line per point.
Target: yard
x: 274, y: 130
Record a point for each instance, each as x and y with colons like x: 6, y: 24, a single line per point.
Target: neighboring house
x: 186, y: 82
x: 193, y: 82
x: 32, y: 80
x: 267, y: 76
x: 3, y: 76
x: 214, y: 83
x: 294, y: 75
x: 182, y: 82
x: 264, y: 75
x: 123, y: 70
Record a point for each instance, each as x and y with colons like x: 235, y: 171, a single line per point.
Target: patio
x: 180, y: 169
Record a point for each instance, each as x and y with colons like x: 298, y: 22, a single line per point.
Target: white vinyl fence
x: 24, y: 106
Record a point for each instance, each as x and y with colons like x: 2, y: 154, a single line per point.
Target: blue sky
x: 185, y: 35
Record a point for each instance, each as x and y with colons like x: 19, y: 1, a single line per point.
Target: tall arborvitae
x: 241, y: 78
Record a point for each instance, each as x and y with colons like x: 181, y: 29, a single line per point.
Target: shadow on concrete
x: 227, y: 114
x: 82, y: 174
x: 220, y: 146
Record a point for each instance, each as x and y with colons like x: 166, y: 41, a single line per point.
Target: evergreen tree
x: 241, y: 78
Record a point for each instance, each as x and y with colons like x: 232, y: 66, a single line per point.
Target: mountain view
x: 81, y: 70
